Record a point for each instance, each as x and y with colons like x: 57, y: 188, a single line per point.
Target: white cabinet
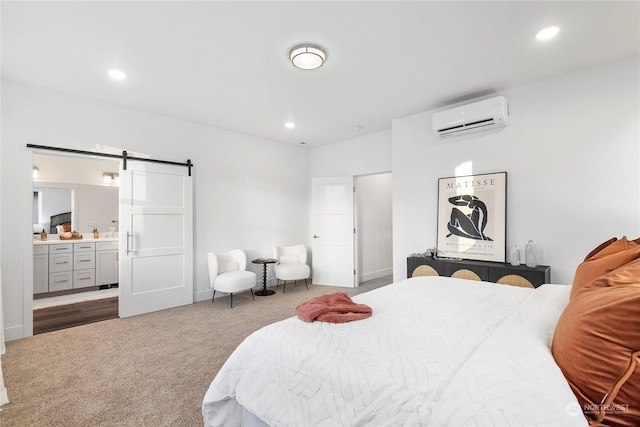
x: 40, y: 269
x: 62, y: 266
x: 61, y: 248
x: 84, y: 278
x: 60, y: 281
x: 60, y: 262
x: 107, y: 272
x: 84, y: 265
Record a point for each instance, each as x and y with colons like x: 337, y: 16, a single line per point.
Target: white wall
x: 571, y: 155
x: 374, y: 226
x: 368, y: 154
x: 249, y: 193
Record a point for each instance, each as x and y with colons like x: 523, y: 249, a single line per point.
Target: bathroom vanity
x: 60, y: 265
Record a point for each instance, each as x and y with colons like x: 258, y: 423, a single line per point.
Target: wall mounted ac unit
x: 478, y: 116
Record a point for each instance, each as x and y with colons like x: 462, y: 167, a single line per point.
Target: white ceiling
x: 225, y: 64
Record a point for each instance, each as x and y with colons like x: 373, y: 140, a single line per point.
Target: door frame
x: 31, y: 149
x: 28, y: 248
x: 356, y: 207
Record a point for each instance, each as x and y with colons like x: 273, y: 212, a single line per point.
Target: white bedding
x: 437, y: 351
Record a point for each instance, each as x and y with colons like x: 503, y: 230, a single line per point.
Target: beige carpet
x: 148, y: 370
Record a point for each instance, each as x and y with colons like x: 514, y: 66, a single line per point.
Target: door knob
x: 315, y: 236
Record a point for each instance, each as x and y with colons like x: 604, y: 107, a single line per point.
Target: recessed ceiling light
x: 303, y: 143
x: 289, y: 125
x: 117, y: 74
x: 547, y: 33
x: 307, y: 56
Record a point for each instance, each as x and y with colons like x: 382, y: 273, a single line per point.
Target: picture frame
x: 472, y: 217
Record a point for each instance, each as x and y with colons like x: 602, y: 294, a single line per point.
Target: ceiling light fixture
x: 289, y: 125
x: 307, y: 56
x: 547, y: 33
x: 36, y: 172
x: 117, y: 74
x: 110, y: 178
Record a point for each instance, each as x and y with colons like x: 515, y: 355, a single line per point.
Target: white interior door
x: 332, y: 231
x: 156, y: 237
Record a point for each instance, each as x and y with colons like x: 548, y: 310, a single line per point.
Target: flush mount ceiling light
x: 307, y: 56
x: 117, y: 74
x: 289, y: 125
x: 547, y: 33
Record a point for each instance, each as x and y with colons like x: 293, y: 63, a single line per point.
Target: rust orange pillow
x: 609, y: 258
x: 615, y: 247
x: 600, y: 247
x: 596, y: 344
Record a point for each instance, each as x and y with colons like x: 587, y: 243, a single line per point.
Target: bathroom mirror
x: 51, y: 202
x: 76, y: 185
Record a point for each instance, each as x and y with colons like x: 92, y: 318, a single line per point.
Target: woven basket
x: 465, y: 274
x: 424, y: 270
x: 515, y: 280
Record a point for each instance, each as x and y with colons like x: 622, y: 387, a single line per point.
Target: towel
x: 332, y: 308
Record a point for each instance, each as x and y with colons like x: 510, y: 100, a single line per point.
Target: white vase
x: 530, y: 255
x: 515, y: 256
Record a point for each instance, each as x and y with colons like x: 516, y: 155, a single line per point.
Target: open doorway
x: 75, y: 271
x: 374, y: 228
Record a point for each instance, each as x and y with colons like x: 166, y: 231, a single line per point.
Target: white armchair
x: 291, y: 264
x: 227, y: 273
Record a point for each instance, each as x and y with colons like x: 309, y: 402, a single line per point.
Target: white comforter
x: 437, y: 351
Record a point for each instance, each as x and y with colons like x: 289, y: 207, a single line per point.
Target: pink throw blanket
x: 332, y: 308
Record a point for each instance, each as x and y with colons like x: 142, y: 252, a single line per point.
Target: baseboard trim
x: 376, y: 274
x: 13, y: 333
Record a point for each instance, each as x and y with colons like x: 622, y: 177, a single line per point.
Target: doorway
x: 351, y: 230
x: 374, y: 236
x: 73, y: 194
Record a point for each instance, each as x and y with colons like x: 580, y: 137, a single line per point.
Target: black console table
x: 487, y: 271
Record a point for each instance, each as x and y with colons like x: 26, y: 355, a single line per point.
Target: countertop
x: 50, y: 241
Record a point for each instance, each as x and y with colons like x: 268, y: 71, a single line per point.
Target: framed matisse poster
x: 472, y: 217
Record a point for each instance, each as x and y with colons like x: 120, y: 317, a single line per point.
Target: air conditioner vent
x: 475, y: 117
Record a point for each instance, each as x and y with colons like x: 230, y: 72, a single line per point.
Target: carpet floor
x: 147, y: 370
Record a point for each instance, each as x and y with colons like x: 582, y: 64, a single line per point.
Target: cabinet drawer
x: 41, y: 250
x: 84, y: 278
x: 60, y: 281
x: 60, y: 262
x: 84, y: 247
x: 107, y: 246
x: 84, y: 260
x: 61, y: 248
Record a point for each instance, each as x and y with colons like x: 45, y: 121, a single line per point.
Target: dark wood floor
x: 66, y: 316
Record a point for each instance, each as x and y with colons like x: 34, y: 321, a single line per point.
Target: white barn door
x: 332, y: 231
x: 156, y: 237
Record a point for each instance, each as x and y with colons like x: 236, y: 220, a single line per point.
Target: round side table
x: 264, y: 261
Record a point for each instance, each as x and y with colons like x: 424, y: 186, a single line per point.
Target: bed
x: 62, y: 219
x: 437, y: 351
